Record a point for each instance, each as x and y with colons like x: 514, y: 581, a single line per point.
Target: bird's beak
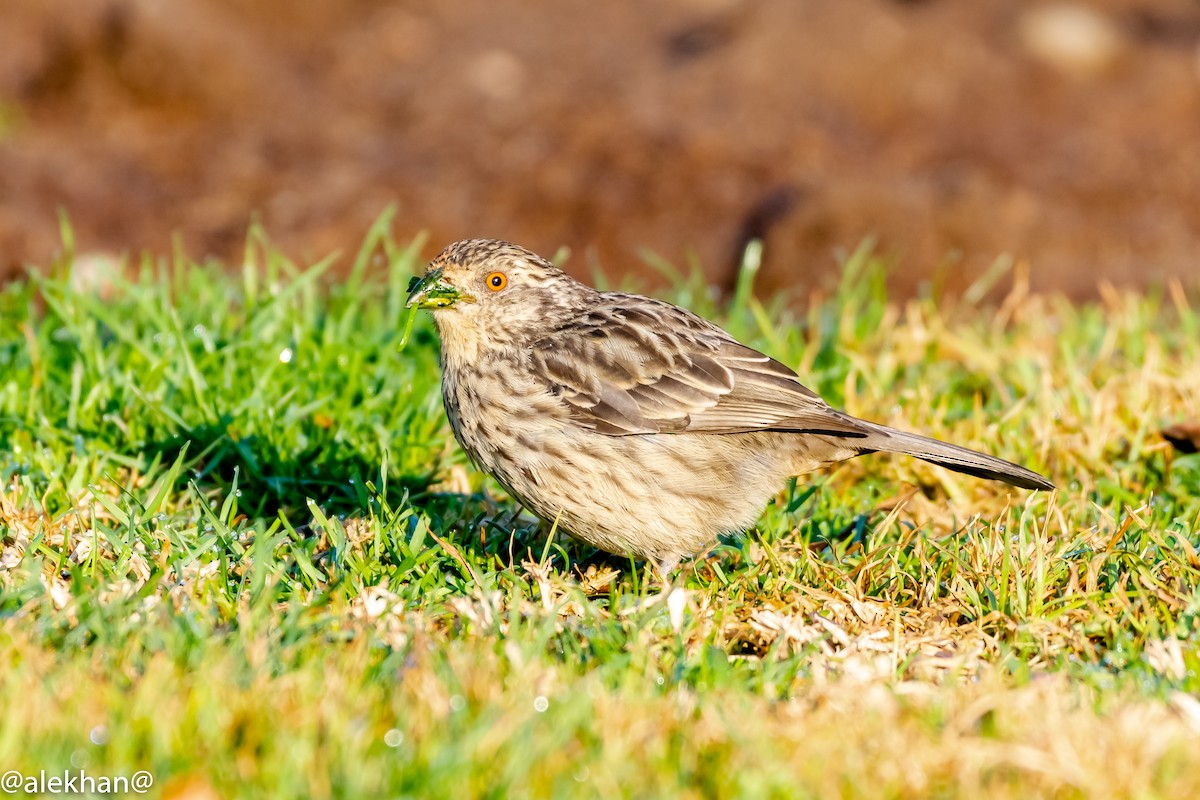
x: 430, y: 291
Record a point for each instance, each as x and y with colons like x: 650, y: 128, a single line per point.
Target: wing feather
x: 636, y: 365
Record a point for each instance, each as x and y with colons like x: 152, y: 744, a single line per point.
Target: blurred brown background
x: 1067, y: 134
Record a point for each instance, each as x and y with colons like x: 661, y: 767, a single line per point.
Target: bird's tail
x: 951, y: 456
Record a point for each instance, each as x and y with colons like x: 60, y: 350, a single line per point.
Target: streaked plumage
x: 638, y: 426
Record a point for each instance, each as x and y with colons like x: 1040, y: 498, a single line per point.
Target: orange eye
x: 497, y: 281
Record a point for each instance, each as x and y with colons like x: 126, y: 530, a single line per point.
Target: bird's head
x: 487, y: 293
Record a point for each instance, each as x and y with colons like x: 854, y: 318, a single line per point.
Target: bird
x: 633, y: 424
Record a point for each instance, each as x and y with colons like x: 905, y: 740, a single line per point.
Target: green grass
x: 240, y: 549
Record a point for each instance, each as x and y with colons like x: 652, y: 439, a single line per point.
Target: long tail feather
x: 951, y: 456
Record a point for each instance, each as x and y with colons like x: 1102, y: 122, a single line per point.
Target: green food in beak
x: 430, y: 291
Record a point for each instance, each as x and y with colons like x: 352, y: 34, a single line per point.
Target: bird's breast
x: 497, y: 410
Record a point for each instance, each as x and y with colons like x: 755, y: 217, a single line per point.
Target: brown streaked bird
x: 634, y: 424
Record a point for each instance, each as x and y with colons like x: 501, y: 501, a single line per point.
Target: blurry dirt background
x: 1064, y: 134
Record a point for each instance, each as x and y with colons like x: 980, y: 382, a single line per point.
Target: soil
x: 953, y: 133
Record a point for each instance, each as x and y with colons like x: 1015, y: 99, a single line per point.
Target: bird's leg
x: 675, y: 596
x: 666, y: 565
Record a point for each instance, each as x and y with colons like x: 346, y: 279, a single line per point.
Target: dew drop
x: 99, y: 735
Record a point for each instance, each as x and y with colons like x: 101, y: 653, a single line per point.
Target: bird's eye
x: 497, y: 281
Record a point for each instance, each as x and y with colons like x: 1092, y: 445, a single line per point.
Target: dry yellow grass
x: 258, y: 586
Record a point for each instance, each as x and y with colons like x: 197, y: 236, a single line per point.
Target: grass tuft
x: 239, y: 549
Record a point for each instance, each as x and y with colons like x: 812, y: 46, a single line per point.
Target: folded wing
x: 637, y: 365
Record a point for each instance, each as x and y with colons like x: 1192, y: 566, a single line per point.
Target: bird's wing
x: 636, y: 365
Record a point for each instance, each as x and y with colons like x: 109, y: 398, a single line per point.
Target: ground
x: 957, y: 134
x: 240, y: 553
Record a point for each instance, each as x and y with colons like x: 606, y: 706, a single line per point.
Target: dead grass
x: 900, y: 631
